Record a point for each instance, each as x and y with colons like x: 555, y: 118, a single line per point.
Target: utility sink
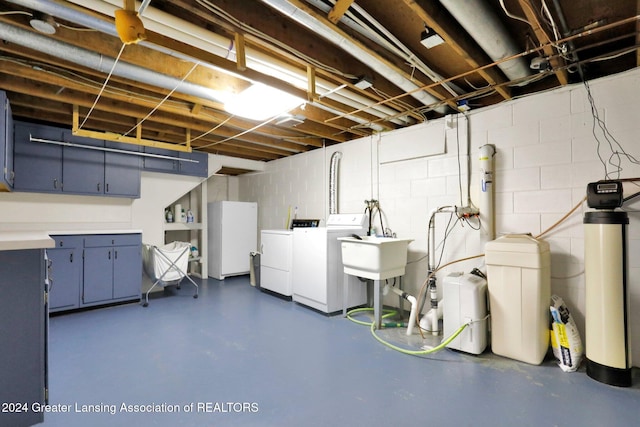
x: 375, y: 258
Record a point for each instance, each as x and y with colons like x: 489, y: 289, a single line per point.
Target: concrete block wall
x: 546, y: 153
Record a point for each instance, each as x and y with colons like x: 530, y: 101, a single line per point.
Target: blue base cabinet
x: 97, y: 269
x: 23, y: 333
x: 66, y: 273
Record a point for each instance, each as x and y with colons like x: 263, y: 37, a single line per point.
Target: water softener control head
x: 604, y: 194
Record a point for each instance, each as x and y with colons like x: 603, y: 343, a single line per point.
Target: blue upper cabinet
x: 122, y: 171
x: 158, y: 160
x: 194, y: 163
x: 86, y: 167
x: 37, y: 165
x: 100, y: 172
x: 198, y: 166
x: 82, y: 168
x: 6, y: 143
x: 71, y: 164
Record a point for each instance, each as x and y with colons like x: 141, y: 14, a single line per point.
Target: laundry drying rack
x: 167, y: 265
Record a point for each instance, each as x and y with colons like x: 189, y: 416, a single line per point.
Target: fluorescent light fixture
x: 289, y: 120
x: 429, y: 38
x: 43, y: 23
x: 261, y: 102
x: 364, y: 83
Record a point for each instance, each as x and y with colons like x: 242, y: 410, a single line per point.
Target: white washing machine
x: 317, y: 271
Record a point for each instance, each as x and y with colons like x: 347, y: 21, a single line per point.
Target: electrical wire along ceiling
x: 266, y: 79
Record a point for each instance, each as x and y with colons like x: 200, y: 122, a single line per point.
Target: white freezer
x: 232, y: 235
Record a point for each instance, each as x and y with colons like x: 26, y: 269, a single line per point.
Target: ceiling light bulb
x: 261, y: 102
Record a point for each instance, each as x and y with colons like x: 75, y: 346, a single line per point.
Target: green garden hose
x: 390, y: 313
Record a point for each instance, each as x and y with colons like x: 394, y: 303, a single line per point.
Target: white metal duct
x: 485, y: 27
x: 310, y: 22
x: 101, y: 63
x: 190, y: 34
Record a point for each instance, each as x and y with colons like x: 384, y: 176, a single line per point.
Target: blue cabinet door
x: 198, y: 167
x: 64, y: 282
x: 23, y: 332
x: 98, y: 275
x: 82, y: 168
x: 122, y: 171
x: 127, y: 272
x: 160, y: 164
x: 37, y: 165
x: 65, y: 276
x: 6, y: 143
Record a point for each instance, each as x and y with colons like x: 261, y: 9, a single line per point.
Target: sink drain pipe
x: 414, y: 307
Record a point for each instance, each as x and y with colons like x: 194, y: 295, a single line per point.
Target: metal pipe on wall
x: 333, y: 182
x: 487, y: 214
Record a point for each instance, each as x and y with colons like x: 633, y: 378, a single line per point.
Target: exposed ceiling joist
x: 225, y: 47
x: 338, y: 10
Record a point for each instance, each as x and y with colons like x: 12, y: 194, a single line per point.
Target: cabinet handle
x: 109, y: 254
x: 116, y: 254
x: 71, y: 257
x: 106, y: 188
x: 98, y: 187
x: 55, y: 183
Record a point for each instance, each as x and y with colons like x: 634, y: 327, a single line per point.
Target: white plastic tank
x: 519, y: 284
x: 607, y: 302
x: 465, y: 300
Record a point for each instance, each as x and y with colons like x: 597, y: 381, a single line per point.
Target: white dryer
x: 317, y: 271
x: 275, y: 261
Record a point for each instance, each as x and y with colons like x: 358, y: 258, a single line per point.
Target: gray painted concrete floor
x: 240, y: 357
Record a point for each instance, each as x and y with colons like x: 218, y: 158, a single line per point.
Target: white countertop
x: 76, y: 232
x: 18, y: 240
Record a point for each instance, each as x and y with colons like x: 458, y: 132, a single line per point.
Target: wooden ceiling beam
x: 23, y: 87
x: 257, y: 151
x: 127, y: 101
x: 435, y: 16
x: 557, y: 63
x: 294, y: 37
x: 55, y: 111
x: 338, y: 10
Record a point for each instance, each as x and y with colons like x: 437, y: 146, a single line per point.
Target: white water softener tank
x: 465, y: 300
x: 606, y: 321
x: 519, y: 284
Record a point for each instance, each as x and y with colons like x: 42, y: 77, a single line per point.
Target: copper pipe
x: 585, y: 33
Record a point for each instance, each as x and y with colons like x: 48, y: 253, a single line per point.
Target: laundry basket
x: 167, y: 265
